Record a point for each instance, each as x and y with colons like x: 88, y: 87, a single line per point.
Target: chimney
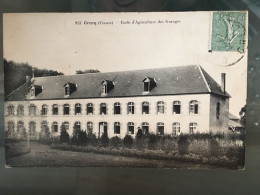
x: 28, y: 79
x: 223, y: 82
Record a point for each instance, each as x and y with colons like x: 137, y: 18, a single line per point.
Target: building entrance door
x: 102, y: 128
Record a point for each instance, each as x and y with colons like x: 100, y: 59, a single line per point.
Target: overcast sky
x: 54, y: 41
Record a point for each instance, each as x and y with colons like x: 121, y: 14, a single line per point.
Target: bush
x: 139, y: 139
x: 104, y: 140
x: 213, y: 147
x: 115, y: 141
x: 45, y: 136
x: 152, y: 139
x: 82, y: 139
x: 183, y: 144
x: 169, y: 143
x: 128, y: 141
x: 91, y: 138
x: 64, y: 137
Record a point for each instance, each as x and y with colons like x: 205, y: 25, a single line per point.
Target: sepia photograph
x: 150, y: 90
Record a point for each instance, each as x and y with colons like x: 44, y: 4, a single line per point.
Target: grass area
x: 43, y: 156
x: 16, y: 148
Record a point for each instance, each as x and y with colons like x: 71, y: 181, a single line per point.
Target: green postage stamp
x: 228, y: 31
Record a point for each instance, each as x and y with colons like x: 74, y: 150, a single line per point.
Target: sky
x: 122, y: 41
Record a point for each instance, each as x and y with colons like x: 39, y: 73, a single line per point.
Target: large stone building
x: 165, y: 101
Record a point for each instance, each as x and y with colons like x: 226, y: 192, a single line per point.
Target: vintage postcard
x: 161, y: 90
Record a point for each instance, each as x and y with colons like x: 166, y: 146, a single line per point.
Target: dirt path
x: 43, y: 156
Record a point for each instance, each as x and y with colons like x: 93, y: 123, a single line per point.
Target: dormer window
x: 35, y: 90
x: 106, y: 87
x: 69, y: 89
x: 149, y: 84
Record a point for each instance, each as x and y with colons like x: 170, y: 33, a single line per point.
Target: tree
x: 64, y: 136
x: 15, y: 74
x: 115, y: 141
x: 128, y: 141
x: 87, y: 71
x: 138, y: 138
x: 242, y: 115
x: 183, y: 144
x: 104, y: 139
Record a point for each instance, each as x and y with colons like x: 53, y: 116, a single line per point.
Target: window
x: 77, y: 109
x: 32, y: 92
x: 55, y: 109
x: 10, y: 126
x: 103, y: 108
x: 89, y: 126
x: 55, y: 127
x: 44, y: 109
x: 149, y: 84
x: 32, y: 128
x: 20, y: 110
x: 35, y: 90
x: 20, y: 126
x: 145, y: 108
x: 131, y: 128
x: 102, y: 128
x: 194, y: 107
x: 218, y: 110
x: 146, y: 86
x: 176, y: 128
x: 10, y: 110
x: 89, y: 108
x: 145, y: 127
x: 117, y: 108
x: 130, y: 108
x: 160, y: 107
x: 160, y: 128
x: 67, y: 90
x: 44, y: 126
x: 32, y: 110
x: 66, y: 109
x: 193, y: 127
x: 176, y: 107
x: 78, y: 125
x: 116, y: 128
x: 104, y: 88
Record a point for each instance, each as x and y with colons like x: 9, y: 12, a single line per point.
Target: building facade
x: 161, y: 101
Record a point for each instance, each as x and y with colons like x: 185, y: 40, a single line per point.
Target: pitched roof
x: 233, y: 117
x: 234, y: 123
x: 174, y: 80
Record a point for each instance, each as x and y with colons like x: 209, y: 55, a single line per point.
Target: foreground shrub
x: 169, y: 143
x: 183, y: 144
x: 139, y: 139
x: 104, y: 140
x: 213, y: 147
x: 64, y: 137
x: 91, y: 138
x: 115, y: 141
x: 152, y: 141
x: 128, y: 141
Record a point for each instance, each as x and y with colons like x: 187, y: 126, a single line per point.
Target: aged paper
x: 163, y: 86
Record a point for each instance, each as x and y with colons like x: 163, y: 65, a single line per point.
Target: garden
x: 223, y: 150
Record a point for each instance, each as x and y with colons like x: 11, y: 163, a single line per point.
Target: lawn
x: 42, y: 156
